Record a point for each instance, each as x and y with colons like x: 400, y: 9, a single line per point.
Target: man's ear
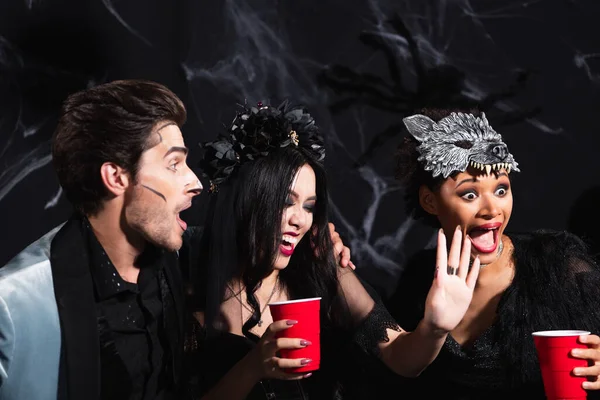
x: 115, y: 179
x: 428, y: 200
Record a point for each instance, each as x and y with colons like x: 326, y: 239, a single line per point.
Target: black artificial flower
x: 254, y: 133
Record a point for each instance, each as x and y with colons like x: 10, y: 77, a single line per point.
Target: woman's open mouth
x: 288, y: 243
x: 485, y: 237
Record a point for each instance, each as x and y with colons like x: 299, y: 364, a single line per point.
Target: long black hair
x: 243, y: 227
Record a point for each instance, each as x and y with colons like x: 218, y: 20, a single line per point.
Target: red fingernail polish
x: 306, y: 361
x: 291, y: 322
x: 305, y: 343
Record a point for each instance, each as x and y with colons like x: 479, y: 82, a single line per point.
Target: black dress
x: 349, y: 352
x: 556, y: 286
x: 346, y: 359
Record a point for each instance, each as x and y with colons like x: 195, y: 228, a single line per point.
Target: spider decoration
x: 441, y: 86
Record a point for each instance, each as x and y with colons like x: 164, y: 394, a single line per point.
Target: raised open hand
x: 453, y: 284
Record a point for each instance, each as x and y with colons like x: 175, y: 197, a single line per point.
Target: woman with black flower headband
x: 456, y: 170
x: 269, y: 191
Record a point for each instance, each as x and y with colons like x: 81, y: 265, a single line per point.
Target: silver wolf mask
x: 457, y: 142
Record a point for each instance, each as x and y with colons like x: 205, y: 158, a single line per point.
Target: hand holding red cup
x: 307, y: 313
x: 592, y: 355
x: 557, y: 363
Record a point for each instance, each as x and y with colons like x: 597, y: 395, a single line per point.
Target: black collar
x: 74, y: 290
x: 107, y: 280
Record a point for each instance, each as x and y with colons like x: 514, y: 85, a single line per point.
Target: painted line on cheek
x: 159, y: 194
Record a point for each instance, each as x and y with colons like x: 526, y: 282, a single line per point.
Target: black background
x: 538, y: 60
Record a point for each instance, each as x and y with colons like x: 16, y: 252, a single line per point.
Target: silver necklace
x: 238, y: 296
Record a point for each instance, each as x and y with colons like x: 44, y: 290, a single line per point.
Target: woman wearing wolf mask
x: 456, y: 171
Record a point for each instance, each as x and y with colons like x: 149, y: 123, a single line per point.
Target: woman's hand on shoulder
x: 452, y: 288
x: 341, y: 252
x: 265, y: 353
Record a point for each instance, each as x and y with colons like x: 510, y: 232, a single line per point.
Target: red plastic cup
x: 554, y: 353
x: 306, y: 312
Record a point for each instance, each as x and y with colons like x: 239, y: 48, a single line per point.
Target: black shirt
x: 134, y: 348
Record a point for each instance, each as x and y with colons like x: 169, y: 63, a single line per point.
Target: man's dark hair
x: 111, y: 122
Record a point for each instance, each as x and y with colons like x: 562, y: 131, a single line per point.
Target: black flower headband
x: 254, y: 133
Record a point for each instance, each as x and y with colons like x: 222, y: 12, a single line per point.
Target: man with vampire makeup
x: 94, y: 309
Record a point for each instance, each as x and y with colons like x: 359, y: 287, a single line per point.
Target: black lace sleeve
x: 372, y: 329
